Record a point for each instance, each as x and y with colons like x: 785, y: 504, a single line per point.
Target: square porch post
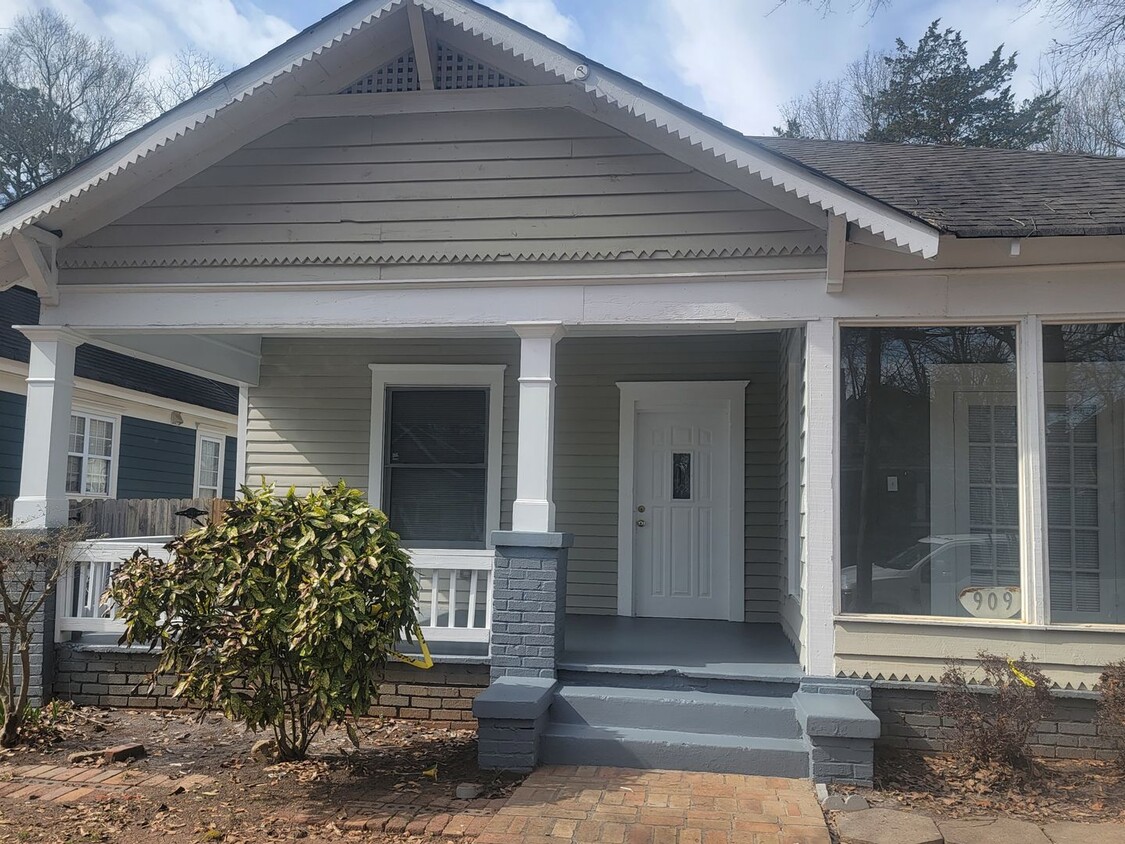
x: 42, y: 500
x: 529, y: 590
x: 821, y: 415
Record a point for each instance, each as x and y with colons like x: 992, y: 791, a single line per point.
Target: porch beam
x: 42, y: 500
x: 534, y: 510
x: 822, y: 497
x: 419, y: 102
x: 837, y: 246
x: 423, y: 58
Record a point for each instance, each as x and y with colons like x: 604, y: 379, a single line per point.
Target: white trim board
x: 152, y: 408
x: 667, y: 395
x: 490, y: 376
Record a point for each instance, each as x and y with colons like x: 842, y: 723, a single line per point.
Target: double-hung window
x: 209, y: 466
x: 435, y: 452
x: 90, y: 455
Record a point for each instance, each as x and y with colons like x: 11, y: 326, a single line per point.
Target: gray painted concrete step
x: 627, y: 747
x: 629, y: 677
x: 670, y: 709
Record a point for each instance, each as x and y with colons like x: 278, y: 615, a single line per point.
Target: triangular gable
x: 253, y: 100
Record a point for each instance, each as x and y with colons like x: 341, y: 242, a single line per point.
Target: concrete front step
x: 694, y: 712
x: 629, y: 747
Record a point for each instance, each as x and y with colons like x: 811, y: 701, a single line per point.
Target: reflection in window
x: 1084, y: 395
x: 435, y: 466
x: 929, y: 465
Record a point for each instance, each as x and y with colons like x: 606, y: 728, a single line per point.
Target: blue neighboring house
x: 138, y: 429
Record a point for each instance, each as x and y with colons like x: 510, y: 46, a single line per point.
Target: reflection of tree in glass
x: 888, y: 371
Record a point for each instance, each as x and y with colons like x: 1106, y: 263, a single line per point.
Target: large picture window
x: 90, y: 455
x: 1084, y: 412
x: 930, y: 471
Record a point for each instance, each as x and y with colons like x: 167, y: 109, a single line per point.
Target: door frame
x: 672, y: 395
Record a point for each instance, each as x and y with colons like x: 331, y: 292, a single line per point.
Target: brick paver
x: 76, y: 783
x: 556, y: 805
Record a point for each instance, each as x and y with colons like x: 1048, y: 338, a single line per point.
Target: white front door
x: 682, y: 511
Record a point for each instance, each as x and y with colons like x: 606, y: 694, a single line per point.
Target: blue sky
x: 736, y: 60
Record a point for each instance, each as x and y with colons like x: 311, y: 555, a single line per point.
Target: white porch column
x: 50, y: 386
x: 822, y: 498
x: 534, y: 509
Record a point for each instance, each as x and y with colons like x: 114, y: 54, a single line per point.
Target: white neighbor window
x: 435, y: 452
x: 209, y: 466
x: 91, y: 455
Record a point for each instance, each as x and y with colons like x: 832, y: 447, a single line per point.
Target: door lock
x: 641, y: 509
x: 640, y: 522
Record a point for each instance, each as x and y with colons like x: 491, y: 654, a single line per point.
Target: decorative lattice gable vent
x: 396, y: 75
x: 453, y: 71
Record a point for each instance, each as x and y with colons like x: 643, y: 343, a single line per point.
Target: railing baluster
x: 471, y: 618
x: 452, y: 620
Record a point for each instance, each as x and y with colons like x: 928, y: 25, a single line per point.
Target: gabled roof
x: 185, y: 136
x: 972, y: 192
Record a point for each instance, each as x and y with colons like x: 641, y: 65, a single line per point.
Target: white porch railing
x: 454, y: 600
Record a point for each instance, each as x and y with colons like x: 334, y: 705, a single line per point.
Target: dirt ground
x: 241, y: 801
x: 1054, y: 790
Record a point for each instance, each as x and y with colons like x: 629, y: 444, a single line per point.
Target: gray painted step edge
x: 669, y: 709
x: 623, y: 747
x: 627, y: 678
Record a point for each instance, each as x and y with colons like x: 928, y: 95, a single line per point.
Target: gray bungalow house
x: 705, y: 446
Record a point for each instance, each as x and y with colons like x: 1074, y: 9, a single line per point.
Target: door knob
x: 640, y: 522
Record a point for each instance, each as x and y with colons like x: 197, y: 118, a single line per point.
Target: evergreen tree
x: 935, y: 96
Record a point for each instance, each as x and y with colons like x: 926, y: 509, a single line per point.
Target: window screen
x: 435, y: 465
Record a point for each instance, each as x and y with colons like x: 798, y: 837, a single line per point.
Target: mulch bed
x: 1054, y: 790
x: 249, y: 800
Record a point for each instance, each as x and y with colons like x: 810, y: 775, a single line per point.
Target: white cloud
x: 235, y: 35
x: 543, y: 16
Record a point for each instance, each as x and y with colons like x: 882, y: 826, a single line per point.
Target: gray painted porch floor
x: 683, y: 646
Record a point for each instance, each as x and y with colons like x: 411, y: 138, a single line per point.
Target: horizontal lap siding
x: 12, y: 409
x: 157, y: 460
x: 310, y: 415
x: 496, y: 184
x: 586, y: 443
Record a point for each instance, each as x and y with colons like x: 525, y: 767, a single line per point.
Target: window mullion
x: 1034, y: 563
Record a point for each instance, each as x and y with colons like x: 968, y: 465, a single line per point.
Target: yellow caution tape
x: 425, y: 661
x: 1023, y: 678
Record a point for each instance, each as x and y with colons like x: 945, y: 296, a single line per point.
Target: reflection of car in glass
x: 901, y: 585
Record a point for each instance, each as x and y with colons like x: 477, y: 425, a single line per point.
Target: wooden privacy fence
x: 6, y: 509
x: 116, y: 517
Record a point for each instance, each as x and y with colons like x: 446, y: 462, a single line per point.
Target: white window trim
x: 221, y: 439
x: 93, y: 412
x: 489, y: 376
x: 641, y: 395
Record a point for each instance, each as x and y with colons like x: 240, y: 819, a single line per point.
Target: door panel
x: 681, y: 536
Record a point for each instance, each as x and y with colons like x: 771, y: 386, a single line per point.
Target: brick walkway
x: 556, y: 805
x: 79, y: 783
x: 402, y: 813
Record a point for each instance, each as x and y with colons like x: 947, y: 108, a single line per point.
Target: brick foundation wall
x: 96, y: 675
x: 909, y: 717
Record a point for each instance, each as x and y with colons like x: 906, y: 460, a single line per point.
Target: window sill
x: 991, y: 624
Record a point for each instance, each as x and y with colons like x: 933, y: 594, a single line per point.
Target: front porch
x: 688, y: 648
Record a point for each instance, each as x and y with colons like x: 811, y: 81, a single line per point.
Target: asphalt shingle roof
x: 972, y: 192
